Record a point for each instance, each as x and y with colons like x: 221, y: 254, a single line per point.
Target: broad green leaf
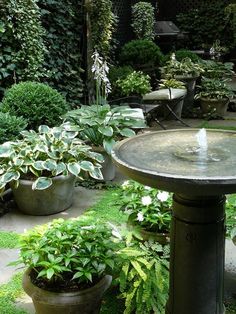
x: 50, y: 273
x: 107, y: 131
x: 38, y: 165
x: 10, y: 176
x: 60, y: 168
x: 108, y: 145
x: 50, y: 165
x: 74, y: 168
x: 42, y: 183
x: 96, y: 173
x: 87, y: 165
x: 127, y: 132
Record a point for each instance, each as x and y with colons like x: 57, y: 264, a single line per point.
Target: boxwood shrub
x: 10, y: 127
x: 37, y: 103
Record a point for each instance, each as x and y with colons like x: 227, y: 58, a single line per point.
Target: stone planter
x: 108, y: 168
x: 189, y: 98
x: 218, y: 105
x: 52, y: 200
x: 177, y: 109
x: 86, y: 301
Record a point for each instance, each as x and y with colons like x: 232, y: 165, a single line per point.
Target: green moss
x: 8, y: 240
x: 108, y: 208
x: 8, y: 294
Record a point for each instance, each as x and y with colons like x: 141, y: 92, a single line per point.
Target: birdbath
x: 200, y: 168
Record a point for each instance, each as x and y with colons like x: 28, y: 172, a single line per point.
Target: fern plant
x: 144, y: 278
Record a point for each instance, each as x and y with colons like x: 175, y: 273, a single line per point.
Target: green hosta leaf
x: 44, y: 129
x: 127, y: 132
x: 74, y: 168
x: 78, y: 274
x: 5, y: 150
x: 87, y: 165
x: 42, y: 183
x: 96, y: 173
x: 89, y: 276
x: 107, y: 131
x: 108, y: 145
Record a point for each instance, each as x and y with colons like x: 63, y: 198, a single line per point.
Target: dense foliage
x: 63, y: 22
x: 103, y: 23
x: 143, y: 20
x: 37, y: 103
x: 206, y: 24
x: 10, y: 127
x: 22, y: 48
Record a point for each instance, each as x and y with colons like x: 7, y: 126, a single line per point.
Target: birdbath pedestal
x: 200, y: 176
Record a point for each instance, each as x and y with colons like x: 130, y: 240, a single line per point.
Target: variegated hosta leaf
x: 61, y: 167
x: 6, y: 150
x: 18, y: 162
x: 108, y: 145
x: 107, y: 131
x: 50, y: 165
x: 96, y: 173
x: 98, y: 157
x: 127, y: 132
x: 74, y: 168
x: 42, y: 183
x: 87, y: 165
x: 44, y: 129
x: 9, y: 176
x: 38, y: 165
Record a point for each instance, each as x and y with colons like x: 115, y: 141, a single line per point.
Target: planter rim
x: 65, y: 294
x: 57, y: 178
x: 214, y: 99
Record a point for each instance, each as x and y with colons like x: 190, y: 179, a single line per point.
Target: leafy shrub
x: 10, y: 127
x: 63, y: 22
x: 115, y: 74
x: 136, y: 83
x: 217, y: 70
x: 141, y: 53
x: 37, y: 103
x: 143, y: 20
x: 206, y: 24
x: 184, y: 53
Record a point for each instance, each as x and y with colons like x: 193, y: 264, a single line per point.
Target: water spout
x: 202, y: 142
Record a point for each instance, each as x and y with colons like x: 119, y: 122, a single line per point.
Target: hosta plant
x: 214, y: 89
x: 102, y: 125
x: 40, y: 156
x: 66, y: 255
x: 147, y: 207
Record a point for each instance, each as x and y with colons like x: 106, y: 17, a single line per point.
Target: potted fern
x: 69, y: 265
x: 42, y: 166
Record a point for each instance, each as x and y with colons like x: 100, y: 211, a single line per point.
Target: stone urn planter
x: 218, y: 106
x: 52, y: 200
x: 108, y: 168
x: 87, y: 301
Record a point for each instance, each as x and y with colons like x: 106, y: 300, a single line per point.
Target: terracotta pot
x: 108, y: 168
x: 52, y: 200
x: 219, y: 105
x: 86, y: 301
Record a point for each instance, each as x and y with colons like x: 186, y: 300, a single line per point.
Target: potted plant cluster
x: 42, y: 166
x: 186, y: 71
x: 214, y: 95
x: 101, y: 126
x: 69, y: 265
x: 149, y: 211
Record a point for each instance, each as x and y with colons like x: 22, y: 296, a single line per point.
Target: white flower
x: 140, y: 216
x: 163, y: 196
x: 147, y: 187
x: 125, y: 184
x: 146, y: 200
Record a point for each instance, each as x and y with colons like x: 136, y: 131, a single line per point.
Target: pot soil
x: 87, y: 301
x: 219, y: 106
x: 52, y: 200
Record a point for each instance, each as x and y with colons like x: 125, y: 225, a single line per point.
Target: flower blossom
x: 146, y: 200
x: 163, y: 196
x: 140, y: 217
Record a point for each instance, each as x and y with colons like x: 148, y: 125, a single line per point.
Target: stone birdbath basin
x: 200, y: 168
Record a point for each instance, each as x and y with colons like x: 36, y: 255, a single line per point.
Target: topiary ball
x: 10, y: 127
x: 37, y: 103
